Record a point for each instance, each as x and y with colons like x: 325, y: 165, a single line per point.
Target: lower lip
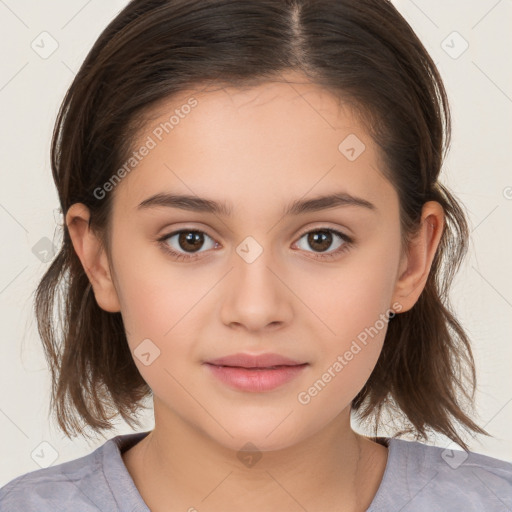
x: 246, y: 379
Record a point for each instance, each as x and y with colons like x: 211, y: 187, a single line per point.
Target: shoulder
x: 78, y: 483
x: 422, y: 477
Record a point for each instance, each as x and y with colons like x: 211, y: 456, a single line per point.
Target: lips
x: 242, y: 360
x: 255, y: 373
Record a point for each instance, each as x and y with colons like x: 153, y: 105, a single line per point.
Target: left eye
x: 321, y: 239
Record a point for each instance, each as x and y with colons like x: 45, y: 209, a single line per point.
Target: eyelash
x: 321, y: 256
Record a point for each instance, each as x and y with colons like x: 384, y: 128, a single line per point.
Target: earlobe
x: 416, y: 264
x: 93, y: 257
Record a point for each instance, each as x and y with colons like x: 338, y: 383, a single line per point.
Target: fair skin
x: 256, y: 149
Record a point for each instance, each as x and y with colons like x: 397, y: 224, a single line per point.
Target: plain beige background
x: 467, y: 40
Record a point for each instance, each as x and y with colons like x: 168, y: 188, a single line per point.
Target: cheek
x: 163, y: 308
x: 354, y: 305
x: 346, y: 357
x: 160, y: 318
x: 354, y: 294
x: 155, y: 295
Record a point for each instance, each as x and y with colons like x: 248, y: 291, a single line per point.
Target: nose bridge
x: 253, y: 262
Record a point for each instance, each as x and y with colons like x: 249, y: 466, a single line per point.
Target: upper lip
x: 254, y: 361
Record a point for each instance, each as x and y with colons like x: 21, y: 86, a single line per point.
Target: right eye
x: 186, y: 240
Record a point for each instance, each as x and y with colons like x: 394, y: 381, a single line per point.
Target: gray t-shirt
x: 417, y: 478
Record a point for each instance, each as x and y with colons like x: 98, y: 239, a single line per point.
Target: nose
x: 255, y: 296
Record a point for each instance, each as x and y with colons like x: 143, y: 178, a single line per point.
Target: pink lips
x: 255, y: 373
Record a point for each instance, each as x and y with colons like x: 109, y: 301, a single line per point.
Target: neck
x: 177, y: 467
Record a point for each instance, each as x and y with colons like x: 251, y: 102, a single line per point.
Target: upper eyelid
x: 325, y: 228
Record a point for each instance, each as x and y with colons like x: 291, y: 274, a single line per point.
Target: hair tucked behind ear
x: 365, y: 53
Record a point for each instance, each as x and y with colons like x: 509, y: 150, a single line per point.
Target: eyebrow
x: 297, y: 207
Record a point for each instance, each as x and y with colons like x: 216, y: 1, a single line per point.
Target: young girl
x: 256, y: 238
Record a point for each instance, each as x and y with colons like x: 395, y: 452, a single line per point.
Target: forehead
x: 254, y: 145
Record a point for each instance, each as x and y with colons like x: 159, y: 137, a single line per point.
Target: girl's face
x: 256, y: 273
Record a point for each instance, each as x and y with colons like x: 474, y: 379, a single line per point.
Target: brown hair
x: 364, y: 52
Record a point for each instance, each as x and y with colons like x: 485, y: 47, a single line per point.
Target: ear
x: 91, y: 253
x: 416, y: 262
